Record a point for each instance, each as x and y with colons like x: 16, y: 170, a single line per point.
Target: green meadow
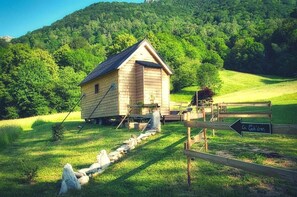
x: 157, y: 166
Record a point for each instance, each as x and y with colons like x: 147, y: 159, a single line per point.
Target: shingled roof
x: 114, y: 62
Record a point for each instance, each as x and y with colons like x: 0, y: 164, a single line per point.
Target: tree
x: 121, y: 42
x: 185, y: 75
x: 208, y: 77
x: 27, y: 89
x: 66, y: 89
x: 247, y: 55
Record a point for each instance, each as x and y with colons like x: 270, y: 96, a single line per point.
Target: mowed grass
x: 157, y: 167
x: 238, y: 87
x: 27, y: 123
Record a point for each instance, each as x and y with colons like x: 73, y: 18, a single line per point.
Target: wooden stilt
x: 124, y: 118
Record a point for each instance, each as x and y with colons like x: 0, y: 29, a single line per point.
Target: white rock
x: 142, y: 137
x: 124, y: 149
x: 132, y: 143
x: 69, y: 178
x: 83, y: 180
x: 79, y: 174
x: 138, y: 140
x: 114, y: 156
x: 84, y: 170
x: 120, y: 149
x: 95, y: 166
x: 64, y: 188
x: 103, y: 159
x: 151, y: 132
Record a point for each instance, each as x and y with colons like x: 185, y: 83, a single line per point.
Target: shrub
x: 204, y: 96
x: 8, y: 134
x: 57, y: 132
x: 28, y: 170
x: 38, y: 122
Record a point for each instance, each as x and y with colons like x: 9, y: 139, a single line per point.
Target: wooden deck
x: 172, y: 118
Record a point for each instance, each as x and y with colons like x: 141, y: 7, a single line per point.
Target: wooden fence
x: 255, y: 168
x: 265, y: 111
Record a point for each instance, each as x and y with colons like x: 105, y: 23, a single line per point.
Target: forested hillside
x: 40, y: 71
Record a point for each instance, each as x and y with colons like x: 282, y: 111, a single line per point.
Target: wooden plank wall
x: 109, y: 106
x: 152, y: 81
x: 130, y: 86
x: 127, y: 85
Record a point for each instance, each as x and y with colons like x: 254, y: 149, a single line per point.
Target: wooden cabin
x: 139, y: 76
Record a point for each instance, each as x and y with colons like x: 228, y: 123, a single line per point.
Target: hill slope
x: 237, y: 86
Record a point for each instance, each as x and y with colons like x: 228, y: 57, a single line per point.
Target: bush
x: 8, y: 134
x: 38, y: 122
x: 204, y: 96
x: 208, y: 76
x: 57, y: 132
x: 28, y: 170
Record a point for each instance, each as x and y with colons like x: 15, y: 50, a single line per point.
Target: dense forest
x: 41, y: 70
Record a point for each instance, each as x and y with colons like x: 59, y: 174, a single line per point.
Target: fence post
x: 212, y: 118
x: 204, y: 130
x: 188, y: 148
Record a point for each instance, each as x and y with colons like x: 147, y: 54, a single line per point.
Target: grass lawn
x: 238, y: 87
x: 157, y: 167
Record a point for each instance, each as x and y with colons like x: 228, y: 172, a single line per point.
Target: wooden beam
x: 209, y: 125
x: 286, y: 129
x: 251, y: 167
x: 256, y: 104
x: 245, y: 114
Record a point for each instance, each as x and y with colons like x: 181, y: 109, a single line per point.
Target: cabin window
x: 96, y: 88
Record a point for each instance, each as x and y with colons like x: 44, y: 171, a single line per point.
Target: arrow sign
x: 239, y: 127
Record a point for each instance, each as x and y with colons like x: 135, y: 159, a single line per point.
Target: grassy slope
x: 157, y: 167
x: 244, y: 87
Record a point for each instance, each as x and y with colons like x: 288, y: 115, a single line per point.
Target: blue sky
x: 17, y: 17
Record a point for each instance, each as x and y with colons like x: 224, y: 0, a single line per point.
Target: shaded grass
x: 9, y: 134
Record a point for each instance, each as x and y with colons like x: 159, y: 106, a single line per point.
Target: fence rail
x: 287, y: 129
x: 251, y: 167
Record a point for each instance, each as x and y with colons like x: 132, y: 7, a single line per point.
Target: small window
x: 96, y: 88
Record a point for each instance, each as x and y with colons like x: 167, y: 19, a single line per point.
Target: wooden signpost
x: 239, y: 127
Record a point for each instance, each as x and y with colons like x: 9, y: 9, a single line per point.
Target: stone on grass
x: 114, y: 156
x: 124, y: 149
x: 83, y: 180
x: 80, y: 174
x: 84, y: 170
x: 64, y: 188
x: 93, y: 168
x: 151, y: 131
x: 69, y: 180
x: 103, y: 159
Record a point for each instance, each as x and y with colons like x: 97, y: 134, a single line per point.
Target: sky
x: 18, y: 17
